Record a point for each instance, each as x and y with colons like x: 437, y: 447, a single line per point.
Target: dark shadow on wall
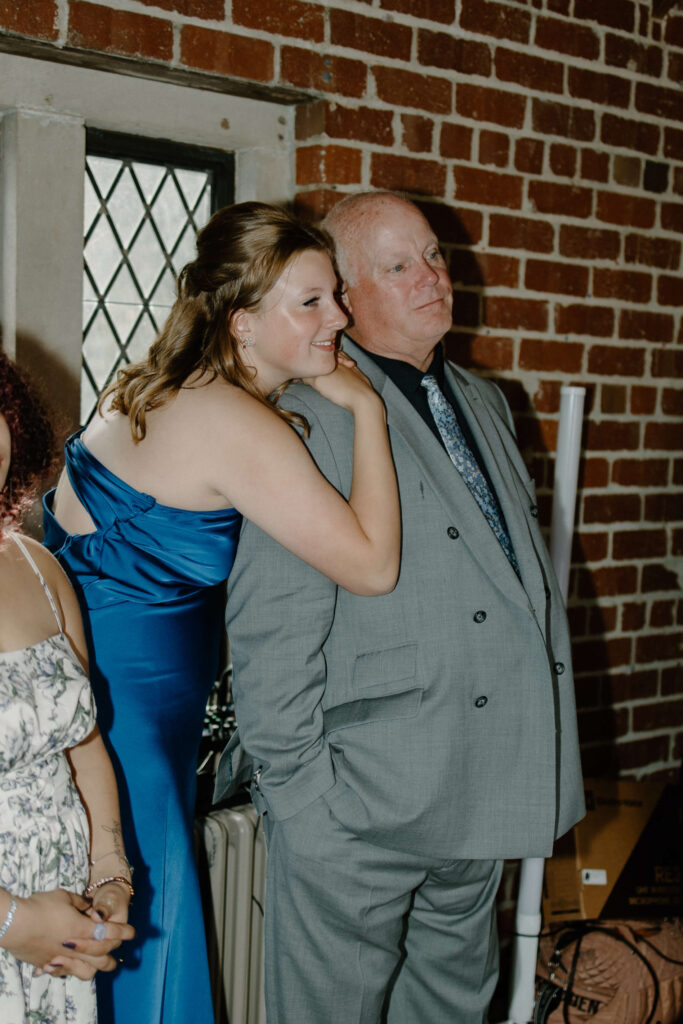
x: 58, y: 385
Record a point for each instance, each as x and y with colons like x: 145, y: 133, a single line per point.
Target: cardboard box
x: 623, y: 860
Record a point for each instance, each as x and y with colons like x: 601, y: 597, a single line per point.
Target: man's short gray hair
x: 342, y: 223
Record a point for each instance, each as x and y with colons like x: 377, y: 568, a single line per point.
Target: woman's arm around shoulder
x: 261, y: 465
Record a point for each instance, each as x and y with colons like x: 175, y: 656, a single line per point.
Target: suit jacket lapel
x: 435, y: 464
x: 508, y: 473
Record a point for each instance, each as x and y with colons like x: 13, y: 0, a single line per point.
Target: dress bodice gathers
x: 140, y: 550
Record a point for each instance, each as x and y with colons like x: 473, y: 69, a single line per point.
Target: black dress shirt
x: 408, y: 379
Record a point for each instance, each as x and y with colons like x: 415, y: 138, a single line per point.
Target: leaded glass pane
x: 140, y: 219
x: 102, y: 254
x: 125, y: 207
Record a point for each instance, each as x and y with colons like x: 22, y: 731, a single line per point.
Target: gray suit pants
x: 359, y: 934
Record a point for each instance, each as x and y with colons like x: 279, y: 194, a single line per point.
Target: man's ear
x: 344, y: 299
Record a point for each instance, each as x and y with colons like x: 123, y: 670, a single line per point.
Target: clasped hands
x: 56, y: 931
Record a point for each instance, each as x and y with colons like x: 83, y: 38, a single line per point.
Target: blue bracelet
x: 10, y: 917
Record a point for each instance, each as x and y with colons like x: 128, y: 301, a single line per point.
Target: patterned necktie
x: 466, y: 464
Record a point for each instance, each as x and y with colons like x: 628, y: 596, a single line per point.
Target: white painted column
x: 42, y: 160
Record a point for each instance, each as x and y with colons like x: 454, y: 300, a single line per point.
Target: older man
x: 404, y: 745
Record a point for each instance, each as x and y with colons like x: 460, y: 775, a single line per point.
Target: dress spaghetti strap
x: 40, y: 576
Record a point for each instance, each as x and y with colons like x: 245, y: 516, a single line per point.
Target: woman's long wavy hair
x: 33, y: 447
x: 241, y: 253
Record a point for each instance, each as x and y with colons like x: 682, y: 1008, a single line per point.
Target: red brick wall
x: 551, y: 130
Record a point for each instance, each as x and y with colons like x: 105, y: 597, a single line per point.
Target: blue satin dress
x: 150, y: 583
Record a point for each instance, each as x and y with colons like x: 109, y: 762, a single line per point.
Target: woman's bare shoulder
x: 213, y: 389
x: 223, y: 403
x: 63, y: 594
x: 55, y: 577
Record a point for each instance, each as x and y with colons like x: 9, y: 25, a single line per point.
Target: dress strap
x: 27, y: 555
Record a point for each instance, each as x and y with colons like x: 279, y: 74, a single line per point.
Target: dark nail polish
x: 69, y: 945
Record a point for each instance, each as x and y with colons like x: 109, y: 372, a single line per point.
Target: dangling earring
x: 246, y: 340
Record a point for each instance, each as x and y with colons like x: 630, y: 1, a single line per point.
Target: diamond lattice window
x: 141, y: 216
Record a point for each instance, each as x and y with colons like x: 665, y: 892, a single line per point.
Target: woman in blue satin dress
x: 146, y: 518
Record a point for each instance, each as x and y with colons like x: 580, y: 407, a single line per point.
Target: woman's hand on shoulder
x: 346, y: 386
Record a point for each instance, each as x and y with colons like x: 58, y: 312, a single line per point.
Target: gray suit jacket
x: 440, y: 718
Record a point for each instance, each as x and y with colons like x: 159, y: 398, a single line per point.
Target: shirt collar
x: 407, y: 377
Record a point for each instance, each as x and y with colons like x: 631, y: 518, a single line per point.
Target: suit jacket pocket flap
x: 372, y: 709
x: 387, y: 669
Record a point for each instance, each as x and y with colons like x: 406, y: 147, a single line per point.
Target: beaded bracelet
x: 104, y: 881
x: 10, y: 917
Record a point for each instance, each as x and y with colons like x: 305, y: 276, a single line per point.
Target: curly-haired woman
x: 59, y: 828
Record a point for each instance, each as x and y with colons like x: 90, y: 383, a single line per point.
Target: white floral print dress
x: 46, y: 706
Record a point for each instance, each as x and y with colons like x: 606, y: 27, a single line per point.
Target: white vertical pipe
x: 528, y: 917
x: 566, y: 476
x: 525, y: 951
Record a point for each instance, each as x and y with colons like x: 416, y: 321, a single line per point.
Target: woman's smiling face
x: 294, y: 332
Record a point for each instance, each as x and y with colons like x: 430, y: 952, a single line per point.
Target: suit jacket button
x: 533, y: 510
x: 559, y: 668
x: 479, y: 616
x: 547, y: 590
x: 481, y: 702
x: 453, y: 533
